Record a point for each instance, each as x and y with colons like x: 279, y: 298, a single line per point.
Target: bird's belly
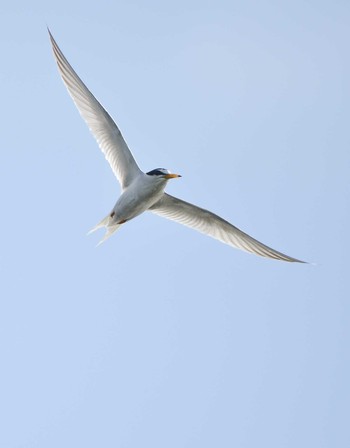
x: 131, y: 204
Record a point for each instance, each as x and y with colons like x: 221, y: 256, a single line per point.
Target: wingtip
x: 296, y: 260
x: 52, y: 39
x: 293, y: 260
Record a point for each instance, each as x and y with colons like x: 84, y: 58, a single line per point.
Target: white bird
x: 145, y: 191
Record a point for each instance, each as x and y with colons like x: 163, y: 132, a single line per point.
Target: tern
x: 145, y: 191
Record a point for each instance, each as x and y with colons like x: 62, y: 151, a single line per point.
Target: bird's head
x: 162, y: 173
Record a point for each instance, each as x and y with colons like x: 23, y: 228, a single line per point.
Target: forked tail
x: 110, y: 229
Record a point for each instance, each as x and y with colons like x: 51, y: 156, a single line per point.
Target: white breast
x: 138, y: 197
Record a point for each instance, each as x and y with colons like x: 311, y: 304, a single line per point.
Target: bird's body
x: 145, y: 191
x: 135, y: 199
x: 138, y: 197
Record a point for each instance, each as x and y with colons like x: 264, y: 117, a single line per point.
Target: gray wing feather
x: 100, y: 123
x: 212, y: 225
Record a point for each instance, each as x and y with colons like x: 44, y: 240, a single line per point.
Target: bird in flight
x: 145, y: 191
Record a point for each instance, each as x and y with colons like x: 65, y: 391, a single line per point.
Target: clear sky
x: 163, y: 337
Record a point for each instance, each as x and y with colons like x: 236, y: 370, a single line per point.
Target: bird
x: 142, y: 191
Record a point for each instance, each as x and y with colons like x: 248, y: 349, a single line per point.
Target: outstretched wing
x: 100, y: 123
x: 212, y: 225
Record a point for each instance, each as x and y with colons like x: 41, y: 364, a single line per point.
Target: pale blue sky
x: 163, y: 337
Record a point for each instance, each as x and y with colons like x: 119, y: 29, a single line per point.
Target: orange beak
x: 171, y: 176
